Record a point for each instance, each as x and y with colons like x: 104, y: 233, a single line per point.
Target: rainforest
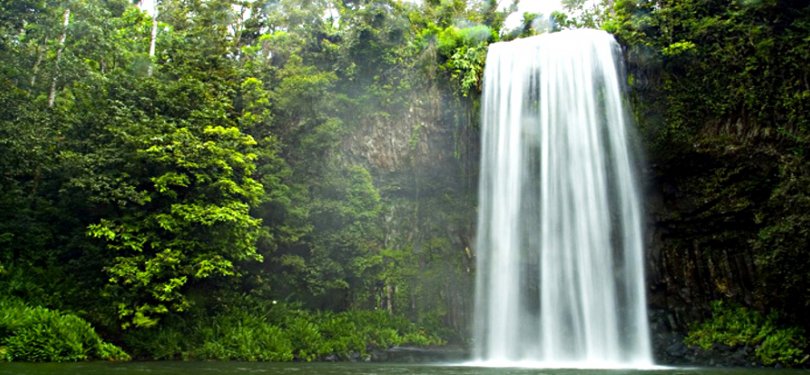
x: 298, y: 180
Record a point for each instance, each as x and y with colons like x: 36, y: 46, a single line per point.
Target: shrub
x: 277, y: 332
x: 243, y: 337
x: 341, y: 335
x: 307, y: 340
x: 236, y: 335
x: 735, y: 326
x: 783, y: 346
x: 374, y: 329
x: 164, y: 342
x: 38, y: 334
x: 729, y: 325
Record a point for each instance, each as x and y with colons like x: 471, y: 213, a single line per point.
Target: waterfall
x: 560, y: 278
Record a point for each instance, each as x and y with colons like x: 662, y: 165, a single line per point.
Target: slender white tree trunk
x: 35, y: 68
x: 152, y: 40
x: 66, y: 22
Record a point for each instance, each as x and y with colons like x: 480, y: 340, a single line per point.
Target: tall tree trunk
x: 389, y: 291
x: 152, y: 40
x: 52, y: 95
x: 35, y: 68
x: 153, y: 35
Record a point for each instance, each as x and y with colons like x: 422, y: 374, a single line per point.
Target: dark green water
x: 238, y: 368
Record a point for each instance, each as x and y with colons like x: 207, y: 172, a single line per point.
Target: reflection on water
x: 239, y: 368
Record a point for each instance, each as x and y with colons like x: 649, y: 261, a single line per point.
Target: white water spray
x: 560, y: 278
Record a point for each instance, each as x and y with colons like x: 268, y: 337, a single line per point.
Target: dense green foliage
x: 738, y: 326
x: 721, y: 95
x: 146, y: 177
x: 37, y: 334
x: 276, y: 332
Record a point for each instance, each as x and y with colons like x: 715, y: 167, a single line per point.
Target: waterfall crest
x: 560, y: 278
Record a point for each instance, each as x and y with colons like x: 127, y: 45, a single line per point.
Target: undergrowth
x: 737, y: 326
x: 38, y: 334
x: 277, y: 333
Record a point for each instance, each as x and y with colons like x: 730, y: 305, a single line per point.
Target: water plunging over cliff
x: 560, y: 278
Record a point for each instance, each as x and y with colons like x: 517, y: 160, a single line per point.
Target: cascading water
x: 560, y: 272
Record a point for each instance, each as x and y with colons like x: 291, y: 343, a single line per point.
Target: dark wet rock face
x: 423, y: 159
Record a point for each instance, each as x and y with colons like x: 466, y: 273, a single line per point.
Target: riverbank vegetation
x: 266, y: 332
x: 165, y: 179
x: 38, y: 334
x: 736, y: 326
x: 165, y: 176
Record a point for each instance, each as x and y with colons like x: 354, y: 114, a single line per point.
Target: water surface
x: 239, y: 368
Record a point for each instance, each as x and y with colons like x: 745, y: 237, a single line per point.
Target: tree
x: 197, y: 224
